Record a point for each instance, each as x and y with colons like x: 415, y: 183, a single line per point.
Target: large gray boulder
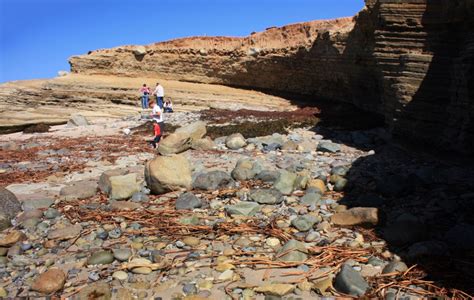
x: 168, y: 173
x: 9, y: 208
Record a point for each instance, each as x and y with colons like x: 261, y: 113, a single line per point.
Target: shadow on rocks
x: 425, y: 207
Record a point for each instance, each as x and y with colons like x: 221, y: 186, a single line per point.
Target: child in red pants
x: 157, y: 130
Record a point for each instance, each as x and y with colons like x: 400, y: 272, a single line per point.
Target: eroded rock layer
x: 408, y: 60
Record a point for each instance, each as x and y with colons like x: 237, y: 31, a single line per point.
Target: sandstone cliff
x: 408, y: 60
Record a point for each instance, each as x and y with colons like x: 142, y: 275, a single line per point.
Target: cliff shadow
x: 423, y: 184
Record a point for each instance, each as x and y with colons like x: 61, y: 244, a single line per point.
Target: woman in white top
x: 157, y: 115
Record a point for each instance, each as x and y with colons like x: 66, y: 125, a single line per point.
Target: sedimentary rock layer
x: 408, y: 60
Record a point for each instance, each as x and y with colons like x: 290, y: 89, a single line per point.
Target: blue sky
x: 38, y: 36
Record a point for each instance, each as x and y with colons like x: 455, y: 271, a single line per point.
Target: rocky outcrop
x: 424, y: 51
x: 407, y: 60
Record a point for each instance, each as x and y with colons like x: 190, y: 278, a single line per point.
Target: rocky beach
x: 295, y: 214
x: 319, y: 160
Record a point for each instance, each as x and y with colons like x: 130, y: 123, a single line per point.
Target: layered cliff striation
x: 410, y: 61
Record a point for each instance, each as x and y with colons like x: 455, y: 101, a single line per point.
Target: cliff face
x: 424, y: 50
x: 408, y: 60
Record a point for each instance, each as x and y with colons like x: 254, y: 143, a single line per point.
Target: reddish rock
x: 49, y: 282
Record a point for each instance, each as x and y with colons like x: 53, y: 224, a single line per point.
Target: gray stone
x: 101, y: 258
x: 311, y: 198
x: 285, y: 183
x: 77, y: 120
x: 340, y: 170
x: 350, y: 282
x: 395, y: 266
x: 79, y: 190
x: 115, y: 233
x: 122, y: 254
x: 188, y: 201
x: 327, y: 146
x: 304, y: 223
x: 243, y: 208
x: 40, y: 203
x: 268, y: 176
x: 51, y: 213
x: 292, y: 251
x: 213, y: 180
x: 235, y: 141
x: 246, y: 169
x: 375, y: 261
x: 266, y: 196
x: 189, y: 289
x: 312, y: 236
x: 139, y: 197
x: 65, y: 233
x: 9, y: 208
x: 339, y: 182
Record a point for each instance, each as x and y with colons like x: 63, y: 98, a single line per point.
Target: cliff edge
x: 410, y: 61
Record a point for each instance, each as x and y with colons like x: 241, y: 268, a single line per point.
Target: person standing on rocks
x: 144, y: 92
x: 157, y: 131
x: 160, y: 94
x: 157, y: 114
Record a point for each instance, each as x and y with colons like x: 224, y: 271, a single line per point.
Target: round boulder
x: 168, y: 173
